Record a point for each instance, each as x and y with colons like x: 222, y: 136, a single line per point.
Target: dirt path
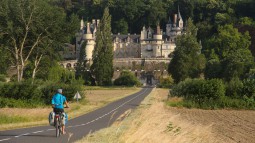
x: 159, y: 123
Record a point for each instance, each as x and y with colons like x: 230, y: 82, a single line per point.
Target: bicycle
x: 58, y: 123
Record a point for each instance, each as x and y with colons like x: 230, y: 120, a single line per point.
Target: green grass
x: 4, y: 119
x: 9, y: 119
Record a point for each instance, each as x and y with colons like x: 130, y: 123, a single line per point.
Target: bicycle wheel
x: 57, y: 128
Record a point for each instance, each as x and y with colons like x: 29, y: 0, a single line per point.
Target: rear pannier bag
x: 51, y: 118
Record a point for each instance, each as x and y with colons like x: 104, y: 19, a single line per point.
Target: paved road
x: 78, y: 127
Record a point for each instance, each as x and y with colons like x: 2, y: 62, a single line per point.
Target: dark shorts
x: 58, y: 110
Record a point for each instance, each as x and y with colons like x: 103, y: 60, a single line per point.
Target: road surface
x: 78, y: 127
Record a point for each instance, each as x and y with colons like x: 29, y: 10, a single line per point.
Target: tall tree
x: 232, y: 48
x: 30, y: 28
x: 102, y: 67
x: 5, y: 60
x: 187, y: 60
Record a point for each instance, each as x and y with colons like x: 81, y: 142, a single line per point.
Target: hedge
x: 200, y: 90
x: 25, y: 94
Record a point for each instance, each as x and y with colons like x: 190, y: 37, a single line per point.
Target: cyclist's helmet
x: 59, y: 91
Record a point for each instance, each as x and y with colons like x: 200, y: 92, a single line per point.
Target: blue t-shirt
x: 58, y: 100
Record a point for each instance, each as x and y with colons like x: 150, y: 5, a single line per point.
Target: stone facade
x: 149, y: 44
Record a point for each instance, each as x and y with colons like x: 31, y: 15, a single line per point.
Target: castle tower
x: 157, y: 42
x: 90, y: 42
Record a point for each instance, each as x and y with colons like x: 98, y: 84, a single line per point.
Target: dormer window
x: 149, y: 35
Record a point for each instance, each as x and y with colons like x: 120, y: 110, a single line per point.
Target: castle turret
x: 179, y: 19
x: 88, y: 37
x: 82, y: 24
x: 158, y: 35
x: 88, y: 29
x: 143, y: 34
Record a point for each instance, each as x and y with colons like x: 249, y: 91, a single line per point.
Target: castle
x: 149, y: 44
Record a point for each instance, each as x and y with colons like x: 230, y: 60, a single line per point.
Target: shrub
x: 166, y: 82
x: 127, y: 78
x: 210, y: 94
x: 22, y: 90
x: 69, y: 90
x: 248, y: 89
x: 60, y: 74
x: 25, y: 94
x: 2, y: 78
x: 200, y: 91
x: 227, y: 102
x: 234, y: 88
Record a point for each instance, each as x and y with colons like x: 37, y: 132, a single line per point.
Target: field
x: 154, y: 122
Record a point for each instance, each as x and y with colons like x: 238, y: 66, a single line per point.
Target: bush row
x: 215, y: 94
x: 25, y: 94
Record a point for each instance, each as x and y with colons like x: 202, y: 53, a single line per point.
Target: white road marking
x: 22, y: 135
x: 39, y: 131
x: 80, y: 124
x: 5, y: 139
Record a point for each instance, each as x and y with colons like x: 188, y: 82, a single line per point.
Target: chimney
x: 175, y: 18
x: 158, y: 30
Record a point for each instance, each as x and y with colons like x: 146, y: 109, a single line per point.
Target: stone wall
x: 141, y: 67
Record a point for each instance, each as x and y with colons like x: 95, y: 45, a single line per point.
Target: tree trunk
x: 36, y: 64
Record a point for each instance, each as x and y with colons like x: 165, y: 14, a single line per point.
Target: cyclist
x: 57, y: 104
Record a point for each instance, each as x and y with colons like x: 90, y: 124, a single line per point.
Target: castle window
x: 150, y: 35
x: 148, y: 48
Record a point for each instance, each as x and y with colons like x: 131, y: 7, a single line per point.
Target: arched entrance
x: 149, y: 78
